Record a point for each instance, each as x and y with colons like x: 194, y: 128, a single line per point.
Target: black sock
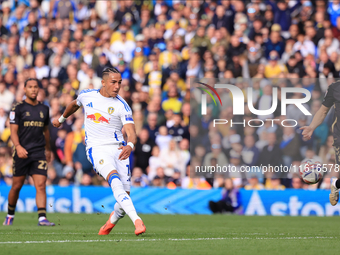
x: 11, y: 209
x: 337, y: 184
x: 42, y: 212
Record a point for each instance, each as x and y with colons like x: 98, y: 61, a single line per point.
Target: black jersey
x: 31, y: 120
x: 332, y: 97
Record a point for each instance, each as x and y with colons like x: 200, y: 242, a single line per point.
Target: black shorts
x: 35, y: 164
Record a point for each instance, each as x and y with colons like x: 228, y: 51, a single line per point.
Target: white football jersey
x: 104, y: 117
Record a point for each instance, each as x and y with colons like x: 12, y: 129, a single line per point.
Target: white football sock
x: 123, y: 199
x: 118, y: 214
x: 42, y: 218
x: 334, y: 181
x: 8, y: 215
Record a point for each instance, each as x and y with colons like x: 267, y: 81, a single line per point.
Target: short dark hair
x: 110, y: 70
x: 32, y: 79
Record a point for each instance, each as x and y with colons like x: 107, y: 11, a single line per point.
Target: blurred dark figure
x: 230, y: 200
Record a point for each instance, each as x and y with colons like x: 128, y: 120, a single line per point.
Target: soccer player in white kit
x: 105, y: 115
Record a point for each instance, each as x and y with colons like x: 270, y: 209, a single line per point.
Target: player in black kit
x: 30, y: 135
x: 331, y: 98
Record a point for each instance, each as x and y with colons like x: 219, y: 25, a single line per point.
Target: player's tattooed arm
x: 317, y: 120
x: 21, y: 151
x: 132, y: 139
x: 70, y: 109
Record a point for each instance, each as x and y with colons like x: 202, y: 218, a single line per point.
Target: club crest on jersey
x: 110, y: 110
x: 101, y: 161
x: 28, y: 114
x: 41, y: 115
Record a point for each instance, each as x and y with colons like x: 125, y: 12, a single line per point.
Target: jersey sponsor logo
x: 128, y: 117
x: 90, y: 105
x: 12, y: 116
x: 110, y: 110
x: 33, y: 124
x: 97, y: 118
x: 41, y: 114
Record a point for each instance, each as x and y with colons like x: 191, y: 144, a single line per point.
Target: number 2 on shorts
x: 42, y: 164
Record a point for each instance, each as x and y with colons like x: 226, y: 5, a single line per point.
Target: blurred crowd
x: 272, y: 45
x: 160, y: 47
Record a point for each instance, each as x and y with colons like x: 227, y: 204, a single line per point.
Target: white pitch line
x: 170, y: 239
x: 120, y: 233
x: 33, y: 233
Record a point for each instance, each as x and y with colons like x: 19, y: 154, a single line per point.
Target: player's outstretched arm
x: 132, y: 139
x: 70, y: 109
x: 317, y: 120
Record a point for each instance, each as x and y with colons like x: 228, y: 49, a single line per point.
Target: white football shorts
x: 105, y: 159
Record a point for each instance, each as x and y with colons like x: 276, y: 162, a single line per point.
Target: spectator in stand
x: 6, y: 97
x: 171, y: 159
x: 304, y: 45
x: 163, y: 138
x: 289, y: 146
x: 41, y: 70
x: 253, y: 184
x: 160, y: 180
x: 230, y: 201
x: 326, y: 151
x: 81, y: 164
x: 64, y: 9
x: 123, y: 46
x: 274, y: 68
x: 72, y: 140
x: 250, y: 153
x: 334, y: 11
x: 154, y: 162
x: 143, y: 150
x: 297, y: 183
x: 274, y: 183
x: 152, y: 127
x: 139, y: 178
x: 275, y: 41
x: 271, y: 154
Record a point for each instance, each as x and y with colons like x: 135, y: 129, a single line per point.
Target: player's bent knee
x: 16, y: 187
x: 40, y: 187
x: 112, y: 175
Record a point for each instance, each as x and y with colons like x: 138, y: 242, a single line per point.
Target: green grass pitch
x: 172, y: 234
